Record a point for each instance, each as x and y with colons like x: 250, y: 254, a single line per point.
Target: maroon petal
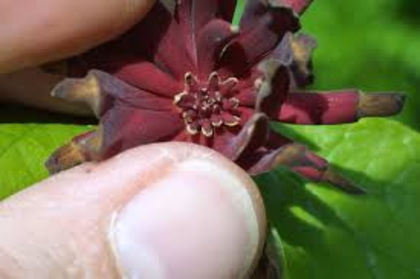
x: 193, y: 15
x: 232, y: 141
x: 320, y: 108
x: 171, y: 53
x: 254, y: 9
x: 337, y: 107
x: 146, y: 76
x: 246, y: 90
x: 317, y: 169
x: 211, y: 40
x: 247, y: 97
x: 300, y: 160
x: 253, y: 135
x: 264, y: 160
x: 121, y: 128
x: 101, y: 92
x: 261, y: 31
x: 126, y: 127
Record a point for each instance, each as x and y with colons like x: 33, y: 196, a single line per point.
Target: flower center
x: 205, y: 106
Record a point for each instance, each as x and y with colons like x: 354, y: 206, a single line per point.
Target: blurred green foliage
x: 373, y: 45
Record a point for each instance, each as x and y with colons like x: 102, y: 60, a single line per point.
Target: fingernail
x: 199, y: 221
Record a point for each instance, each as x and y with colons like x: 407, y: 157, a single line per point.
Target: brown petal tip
x: 290, y: 154
x: 303, y: 47
x: 85, y: 91
x: 380, y: 104
x: 342, y: 183
x: 82, y: 148
x: 66, y: 157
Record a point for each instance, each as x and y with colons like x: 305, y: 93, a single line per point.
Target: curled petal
x: 252, y: 136
x: 193, y: 15
x: 274, y: 87
x: 335, y: 107
x: 302, y: 46
x: 211, y: 40
x: 254, y: 8
x: 295, y: 51
x: 260, y: 34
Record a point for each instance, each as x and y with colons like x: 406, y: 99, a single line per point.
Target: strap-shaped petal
x: 126, y: 127
x: 102, y: 91
x: 120, y: 128
x: 336, y: 107
x: 300, y: 160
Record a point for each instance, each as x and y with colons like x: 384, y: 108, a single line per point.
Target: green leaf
x: 24, y: 149
x: 329, y: 234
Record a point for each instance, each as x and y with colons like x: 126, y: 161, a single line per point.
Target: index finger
x: 34, y: 32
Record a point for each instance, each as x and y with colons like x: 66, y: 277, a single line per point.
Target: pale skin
x: 160, y: 211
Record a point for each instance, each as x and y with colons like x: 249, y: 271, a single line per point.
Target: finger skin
x: 203, y: 211
x: 34, y: 32
x: 32, y: 87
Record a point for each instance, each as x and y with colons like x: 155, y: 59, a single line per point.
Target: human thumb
x: 171, y: 210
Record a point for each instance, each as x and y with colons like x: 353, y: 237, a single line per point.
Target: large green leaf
x: 328, y: 234
x: 372, y: 45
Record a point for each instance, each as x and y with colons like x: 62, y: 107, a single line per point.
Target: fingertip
x: 200, y: 221
x: 40, y: 31
x: 174, y: 209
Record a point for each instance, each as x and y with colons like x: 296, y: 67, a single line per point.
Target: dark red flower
x: 189, y: 75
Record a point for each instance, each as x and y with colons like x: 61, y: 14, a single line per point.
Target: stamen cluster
x: 206, y: 106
